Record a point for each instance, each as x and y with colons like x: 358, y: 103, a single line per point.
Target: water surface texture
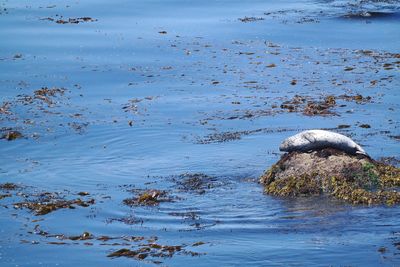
x: 191, y: 98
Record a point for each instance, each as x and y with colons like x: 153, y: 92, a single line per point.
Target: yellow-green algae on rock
x: 356, y: 179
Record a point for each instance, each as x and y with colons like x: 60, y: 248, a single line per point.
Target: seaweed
x: 197, y: 182
x: 48, y: 202
x: 9, y: 186
x: 61, y: 20
x: 153, y: 250
x: 250, y: 19
x: 149, y: 197
x: 4, y: 196
x: 308, y: 106
x: 12, y: 135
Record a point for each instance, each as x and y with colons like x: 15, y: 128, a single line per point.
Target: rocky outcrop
x: 356, y: 179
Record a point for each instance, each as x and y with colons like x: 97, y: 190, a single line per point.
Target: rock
x: 356, y: 179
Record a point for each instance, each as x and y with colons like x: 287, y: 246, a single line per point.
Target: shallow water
x: 202, y: 97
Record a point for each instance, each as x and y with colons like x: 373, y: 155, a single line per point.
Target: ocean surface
x: 188, y: 97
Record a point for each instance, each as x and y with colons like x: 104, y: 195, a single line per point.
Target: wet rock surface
x: 356, y: 179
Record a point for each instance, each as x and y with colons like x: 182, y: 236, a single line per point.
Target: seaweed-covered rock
x: 357, y: 179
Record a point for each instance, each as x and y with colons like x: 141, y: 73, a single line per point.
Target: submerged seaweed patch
x: 153, y: 250
x: 237, y: 135
x: 140, y: 247
x: 194, y: 220
x: 128, y: 220
x: 196, y: 182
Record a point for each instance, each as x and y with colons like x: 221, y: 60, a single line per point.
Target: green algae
x: 303, y: 185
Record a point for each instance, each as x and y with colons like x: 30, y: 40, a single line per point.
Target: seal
x: 319, y: 139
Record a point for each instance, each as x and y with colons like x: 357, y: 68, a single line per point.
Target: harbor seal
x: 319, y: 139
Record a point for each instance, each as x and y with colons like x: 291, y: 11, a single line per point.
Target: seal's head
x: 360, y: 150
x: 284, y: 146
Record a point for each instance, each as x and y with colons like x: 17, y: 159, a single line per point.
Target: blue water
x: 204, y: 76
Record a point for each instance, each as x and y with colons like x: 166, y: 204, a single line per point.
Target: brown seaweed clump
x: 151, y: 197
x: 61, y: 20
x: 7, y: 187
x: 356, y: 179
x: 11, y: 135
x: 48, y: 202
x: 154, y: 251
x: 310, y: 107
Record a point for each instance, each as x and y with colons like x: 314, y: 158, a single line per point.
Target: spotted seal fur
x: 319, y: 139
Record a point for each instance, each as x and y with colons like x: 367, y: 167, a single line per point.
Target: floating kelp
x: 88, y: 236
x: 4, y: 196
x: 154, y: 250
x: 61, y: 20
x: 12, y: 135
x: 44, y: 94
x: 83, y: 236
x: 5, y: 108
x: 310, y: 107
x: 356, y: 179
x: 9, y: 186
x: 320, y: 107
x: 150, y: 197
x: 49, y: 202
x: 250, y: 19
x: 140, y: 247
